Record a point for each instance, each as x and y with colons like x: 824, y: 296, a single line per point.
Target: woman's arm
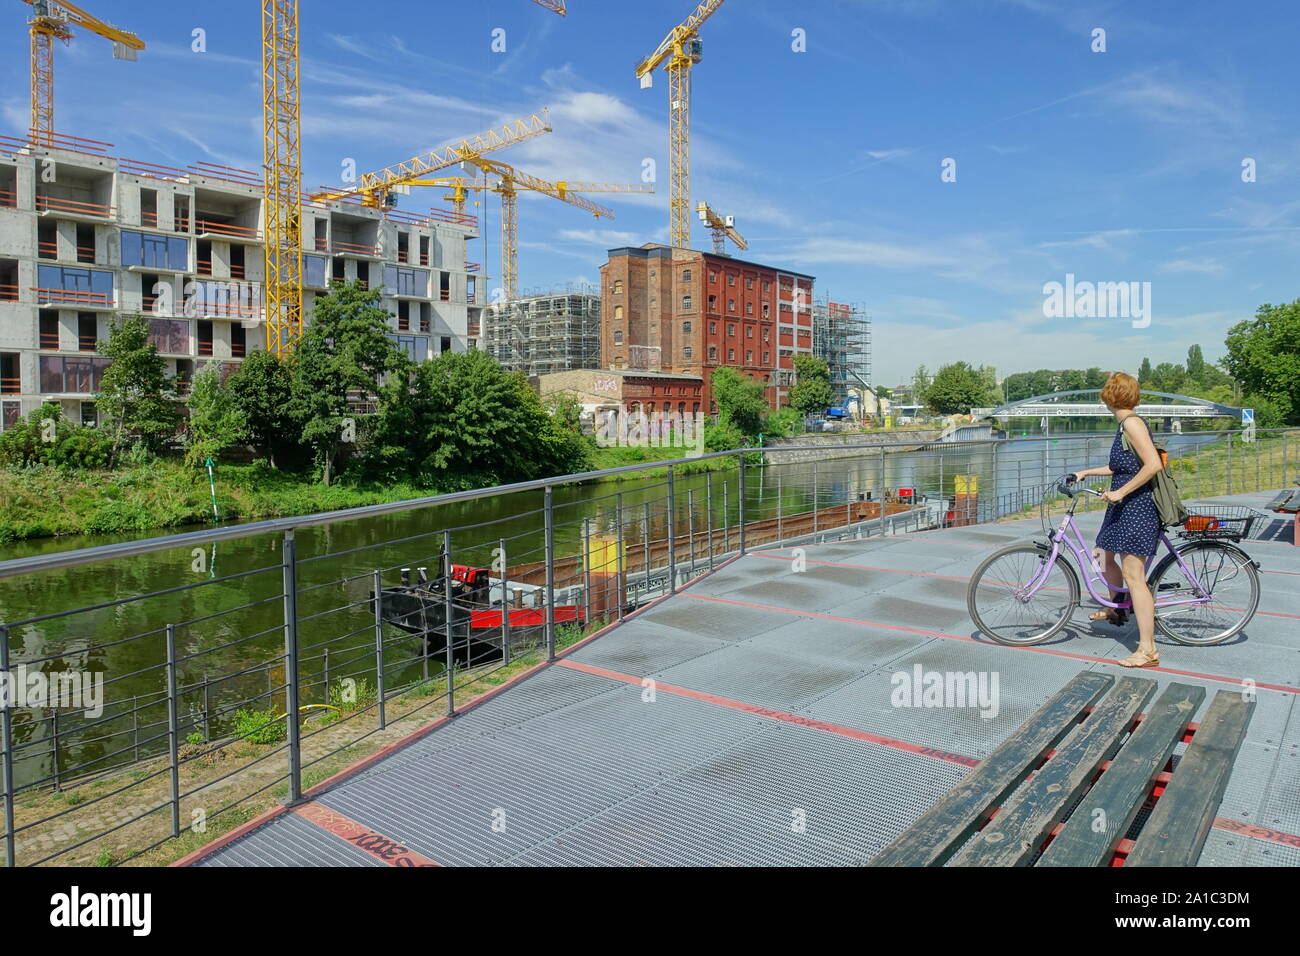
x: 1087, y: 472
x: 1139, y: 437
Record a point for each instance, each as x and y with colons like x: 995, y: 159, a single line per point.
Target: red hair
x: 1121, y: 391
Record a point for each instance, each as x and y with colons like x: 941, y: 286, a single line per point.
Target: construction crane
x: 722, y: 229
x: 680, y: 50
x: 509, y: 182
x: 375, y: 189
x: 282, y: 175
x: 54, y: 21
x: 556, y: 6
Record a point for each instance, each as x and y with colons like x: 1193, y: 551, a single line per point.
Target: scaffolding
x: 842, y: 338
x: 547, y: 332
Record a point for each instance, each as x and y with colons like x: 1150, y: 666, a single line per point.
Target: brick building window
x: 749, y: 356
x: 713, y: 353
x: 686, y: 302
x: 767, y: 358
x: 731, y: 330
x: 749, y: 308
x: 618, y: 313
x: 686, y: 352
x: 749, y: 331
x: 767, y: 311
x: 713, y: 328
x: 731, y: 355
x: 713, y: 276
x: 749, y: 282
x: 618, y: 287
x: 731, y: 305
x: 686, y: 328
x: 686, y: 275
x: 618, y: 337
x: 731, y: 280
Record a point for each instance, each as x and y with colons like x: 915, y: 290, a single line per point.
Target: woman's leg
x: 1110, y: 570
x: 1134, y: 567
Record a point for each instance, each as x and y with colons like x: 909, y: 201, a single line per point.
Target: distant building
x: 627, y: 390
x: 543, y: 334
x: 686, y: 313
x: 842, y: 338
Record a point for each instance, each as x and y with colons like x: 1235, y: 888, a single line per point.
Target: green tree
x: 921, y: 380
x: 740, y: 400
x: 346, y: 349
x: 811, y: 394
x: 462, y: 421
x: 1264, y: 357
x: 1195, y: 364
x: 956, y: 389
x: 1094, y: 378
x: 216, y: 420
x: 135, y: 393
x: 1144, y: 373
x: 261, y: 390
x: 45, y: 437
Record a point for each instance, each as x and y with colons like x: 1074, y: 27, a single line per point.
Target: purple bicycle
x: 1206, y: 589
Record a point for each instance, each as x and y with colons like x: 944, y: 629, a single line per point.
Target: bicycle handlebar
x: 1064, y: 486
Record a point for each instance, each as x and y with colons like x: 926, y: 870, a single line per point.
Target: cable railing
x: 365, y: 623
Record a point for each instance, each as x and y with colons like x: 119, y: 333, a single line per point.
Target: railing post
x: 450, y: 642
x: 586, y: 568
x: 377, y: 586
x: 548, y: 509
x: 1229, y: 462
x: 672, y: 535
x: 289, y: 552
x: 740, y: 502
x: 505, y: 603
x: 690, y: 525
x: 325, y: 671
x: 779, y: 536
x: 882, y: 487
x: 620, y: 569
x: 54, y: 748
x: 726, y: 518
x: 815, y: 496
x: 708, y: 508
x: 6, y: 753
x: 173, y: 732
x: 207, y: 710
x: 645, y: 535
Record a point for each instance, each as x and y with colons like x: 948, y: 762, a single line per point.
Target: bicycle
x: 1206, y: 590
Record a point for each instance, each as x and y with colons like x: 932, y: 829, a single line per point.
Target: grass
x: 48, y: 502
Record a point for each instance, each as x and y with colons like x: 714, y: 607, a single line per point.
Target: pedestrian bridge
x: 1049, y: 406
x: 753, y: 718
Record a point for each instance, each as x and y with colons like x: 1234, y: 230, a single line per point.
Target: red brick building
x: 687, y: 312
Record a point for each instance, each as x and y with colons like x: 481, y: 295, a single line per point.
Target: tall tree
x: 462, y: 421
x: 1144, y: 373
x: 1195, y: 364
x: 1264, y: 357
x: 811, y: 394
x: 346, y: 349
x: 956, y: 389
x: 740, y: 399
x: 135, y: 393
x: 216, y: 421
x: 921, y: 379
x: 261, y: 389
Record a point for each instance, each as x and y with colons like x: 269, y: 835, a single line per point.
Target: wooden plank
x: 1100, y: 821
x: 1021, y: 826
x: 1176, y: 830
x: 933, y: 838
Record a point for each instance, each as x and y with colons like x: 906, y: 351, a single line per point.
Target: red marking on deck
x: 360, y: 836
x: 771, y: 714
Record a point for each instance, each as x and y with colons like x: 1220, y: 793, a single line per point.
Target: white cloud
x: 1210, y: 267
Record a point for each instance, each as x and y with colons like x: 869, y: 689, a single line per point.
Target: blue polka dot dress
x: 1132, y: 526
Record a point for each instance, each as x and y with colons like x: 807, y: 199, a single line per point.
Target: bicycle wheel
x: 1227, y: 574
x: 1001, y: 608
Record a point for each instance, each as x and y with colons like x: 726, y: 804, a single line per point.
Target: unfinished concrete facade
x: 87, y: 238
x: 542, y: 334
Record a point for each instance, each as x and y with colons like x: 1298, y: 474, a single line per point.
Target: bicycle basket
x: 1231, y: 522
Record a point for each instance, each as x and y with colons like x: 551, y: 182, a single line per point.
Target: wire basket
x: 1232, y: 522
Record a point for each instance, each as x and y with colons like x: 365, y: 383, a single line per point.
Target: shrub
x: 259, y: 726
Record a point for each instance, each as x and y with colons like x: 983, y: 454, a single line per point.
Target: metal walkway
x: 748, y: 720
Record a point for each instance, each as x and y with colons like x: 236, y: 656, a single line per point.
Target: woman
x: 1131, y: 530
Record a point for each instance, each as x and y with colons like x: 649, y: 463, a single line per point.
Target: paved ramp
x: 748, y: 720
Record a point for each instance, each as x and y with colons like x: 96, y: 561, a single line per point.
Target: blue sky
x: 1117, y: 166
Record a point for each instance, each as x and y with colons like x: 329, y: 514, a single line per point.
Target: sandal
x: 1141, y: 659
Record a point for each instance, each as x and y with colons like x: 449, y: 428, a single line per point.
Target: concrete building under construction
x: 842, y: 338
x: 557, y: 331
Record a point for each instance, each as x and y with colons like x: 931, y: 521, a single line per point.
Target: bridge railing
x: 170, y: 666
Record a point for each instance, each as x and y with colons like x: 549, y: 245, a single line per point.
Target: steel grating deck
x: 748, y: 721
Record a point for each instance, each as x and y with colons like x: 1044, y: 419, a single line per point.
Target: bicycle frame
x: 1092, y: 572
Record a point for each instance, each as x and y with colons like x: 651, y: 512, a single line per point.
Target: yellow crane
x: 555, y: 5
x: 375, y: 188
x: 721, y: 227
x: 509, y: 182
x: 282, y: 175
x: 54, y: 21
x: 680, y: 50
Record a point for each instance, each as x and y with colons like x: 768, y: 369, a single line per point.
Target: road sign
x: 1248, y: 424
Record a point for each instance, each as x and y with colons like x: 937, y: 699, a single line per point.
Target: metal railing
x: 363, y: 620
